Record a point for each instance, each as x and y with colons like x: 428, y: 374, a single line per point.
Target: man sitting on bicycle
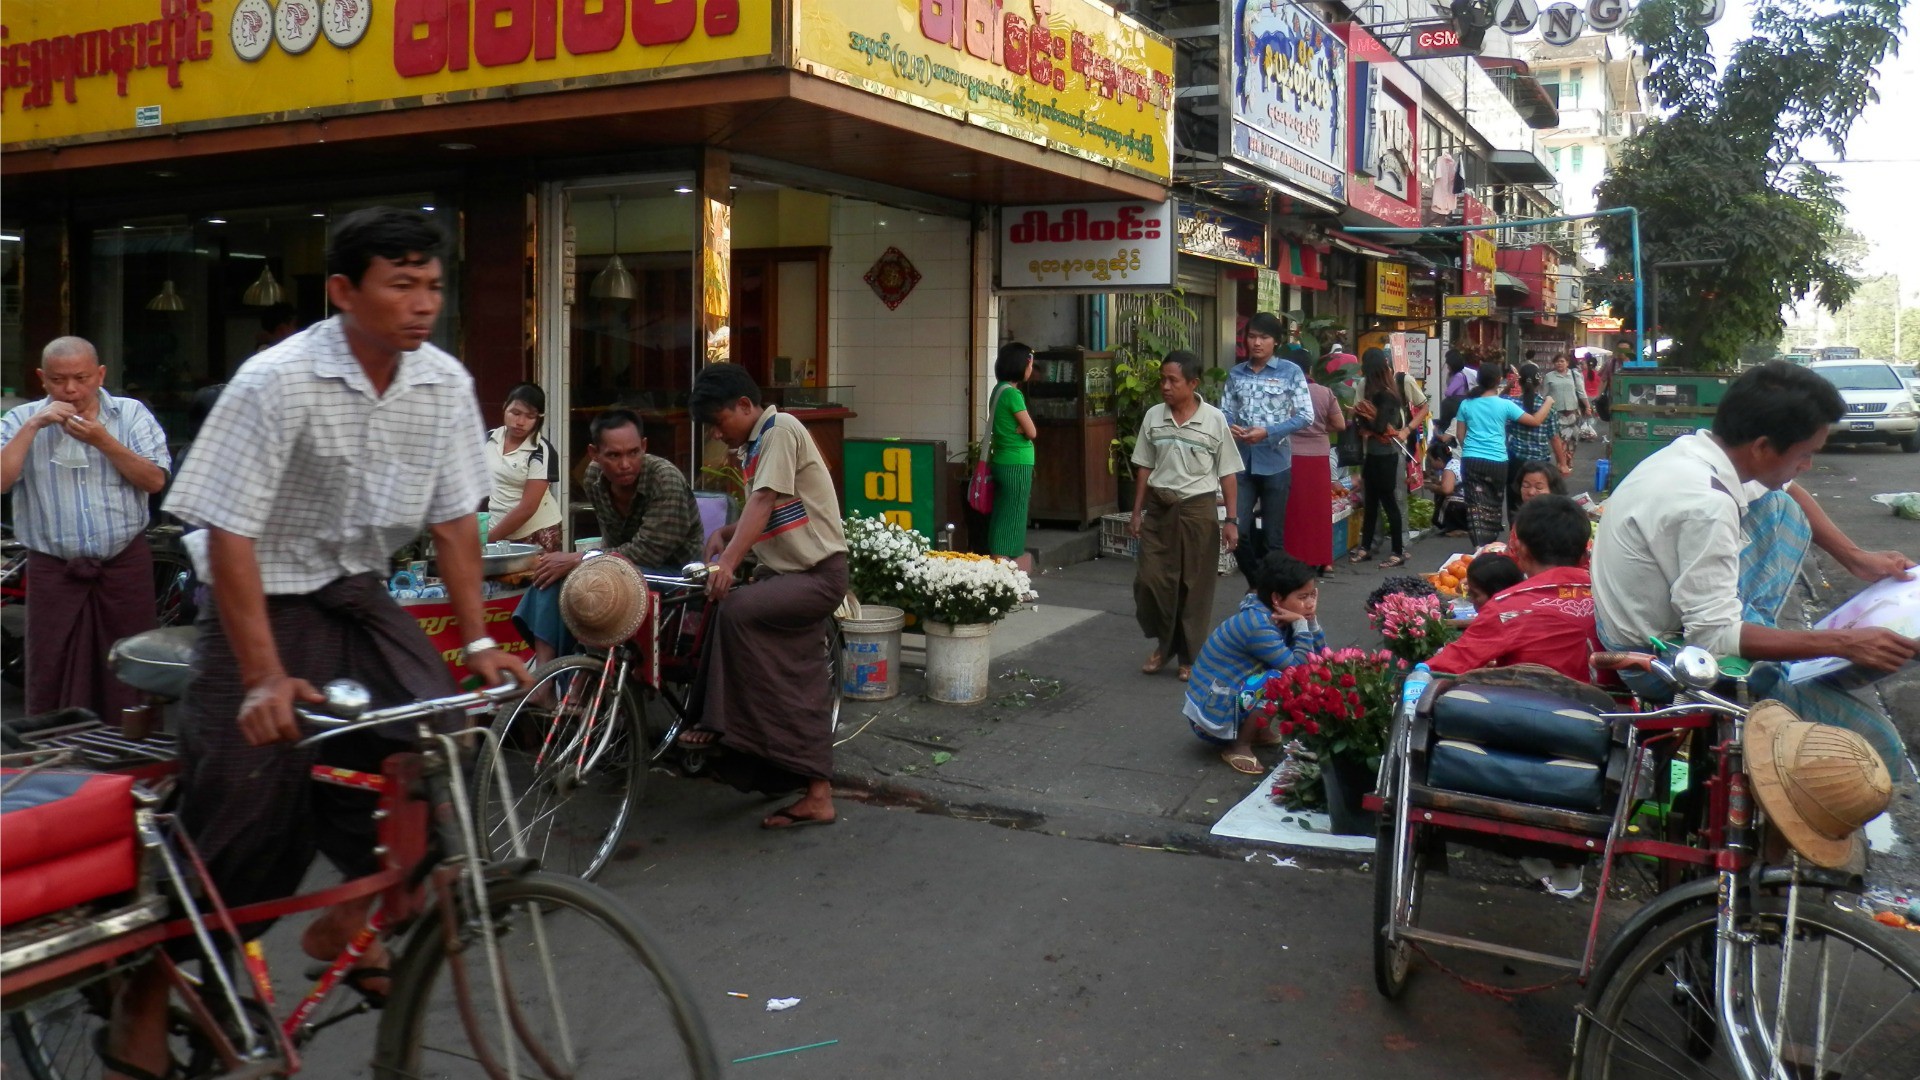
x: 1704, y: 539
x: 647, y: 514
x: 768, y: 694
x: 325, y: 454
x: 1546, y: 619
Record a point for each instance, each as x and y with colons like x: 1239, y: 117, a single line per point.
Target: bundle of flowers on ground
x: 1340, y: 702
x: 957, y: 588
x: 879, y: 556
x: 1414, y: 627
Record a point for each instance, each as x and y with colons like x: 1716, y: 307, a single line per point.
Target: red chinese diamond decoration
x: 892, y: 278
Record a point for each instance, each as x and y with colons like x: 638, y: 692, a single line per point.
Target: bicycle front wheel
x: 586, y: 991
x: 1849, y: 1005
x: 575, y: 766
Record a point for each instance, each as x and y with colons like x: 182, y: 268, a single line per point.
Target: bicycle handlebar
x: 345, y: 709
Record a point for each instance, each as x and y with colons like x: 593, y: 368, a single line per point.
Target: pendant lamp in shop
x: 613, y: 282
x: 264, y: 292
x: 166, y: 299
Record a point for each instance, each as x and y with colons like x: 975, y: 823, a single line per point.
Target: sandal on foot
x: 1186, y: 672
x: 787, y: 819
x: 1359, y: 555
x: 1397, y: 560
x: 1155, y: 662
x: 697, y: 739
x: 1243, y: 763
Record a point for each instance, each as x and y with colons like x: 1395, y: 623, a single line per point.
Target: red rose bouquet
x: 1340, y: 702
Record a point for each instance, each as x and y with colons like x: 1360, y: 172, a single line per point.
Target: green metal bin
x: 1654, y: 406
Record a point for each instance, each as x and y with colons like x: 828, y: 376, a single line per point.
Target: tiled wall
x: 908, y: 366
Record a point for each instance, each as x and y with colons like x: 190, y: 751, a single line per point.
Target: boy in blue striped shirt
x: 1274, y: 628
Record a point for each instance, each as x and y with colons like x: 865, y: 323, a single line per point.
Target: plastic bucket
x: 957, y: 661
x: 870, y: 655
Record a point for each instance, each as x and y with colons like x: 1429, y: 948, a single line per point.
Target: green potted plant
x: 1164, y: 322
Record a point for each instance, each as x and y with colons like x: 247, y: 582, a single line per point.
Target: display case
x: 1070, y: 398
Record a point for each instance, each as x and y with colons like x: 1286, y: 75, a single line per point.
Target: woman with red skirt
x: 1309, y: 535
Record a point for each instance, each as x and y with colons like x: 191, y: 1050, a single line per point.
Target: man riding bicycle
x: 325, y: 453
x: 1704, y: 539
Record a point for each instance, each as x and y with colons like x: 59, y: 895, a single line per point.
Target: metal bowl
x: 512, y: 559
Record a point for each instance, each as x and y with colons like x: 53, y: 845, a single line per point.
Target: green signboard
x: 900, y: 480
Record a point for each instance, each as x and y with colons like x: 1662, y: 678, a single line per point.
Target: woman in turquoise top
x: 1481, y: 429
x: 1010, y: 454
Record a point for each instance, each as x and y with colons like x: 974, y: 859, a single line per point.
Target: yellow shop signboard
x: 1070, y: 75
x: 73, y: 70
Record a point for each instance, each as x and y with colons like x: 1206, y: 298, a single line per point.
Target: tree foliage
x: 1721, y: 176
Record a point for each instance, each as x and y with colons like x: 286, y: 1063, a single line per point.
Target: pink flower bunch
x: 1414, y: 627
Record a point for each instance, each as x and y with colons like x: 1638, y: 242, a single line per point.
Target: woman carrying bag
x: 1381, y: 414
x: 1010, y: 455
x: 1309, y: 535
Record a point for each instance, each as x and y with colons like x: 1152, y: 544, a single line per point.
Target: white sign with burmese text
x: 1095, y: 247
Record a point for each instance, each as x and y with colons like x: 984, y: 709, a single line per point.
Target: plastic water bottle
x: 1415, y: 688
x: 1600, y: 470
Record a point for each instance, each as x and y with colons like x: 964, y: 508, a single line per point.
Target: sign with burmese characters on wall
x: 1070, y: 75
x: 1091, y: 247
x: 1286, y: 114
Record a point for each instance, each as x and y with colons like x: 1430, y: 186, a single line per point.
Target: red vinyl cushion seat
x: 65, y: 838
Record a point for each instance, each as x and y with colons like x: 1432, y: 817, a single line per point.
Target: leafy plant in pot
x: 1162, y: 323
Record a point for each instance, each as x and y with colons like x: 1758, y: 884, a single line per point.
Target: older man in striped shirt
x: 81, y: 464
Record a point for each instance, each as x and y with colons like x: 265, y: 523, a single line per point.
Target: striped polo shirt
x: 91, y: 512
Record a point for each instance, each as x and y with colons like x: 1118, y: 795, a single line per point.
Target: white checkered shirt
x: 327, y: 478
x: 83, y: 513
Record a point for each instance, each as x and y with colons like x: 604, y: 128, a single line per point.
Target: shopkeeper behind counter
x: 524, y: 469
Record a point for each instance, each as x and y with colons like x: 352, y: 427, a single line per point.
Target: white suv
x: 1880, y: 408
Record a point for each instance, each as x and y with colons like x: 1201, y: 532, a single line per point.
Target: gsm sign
x: 430, y: 36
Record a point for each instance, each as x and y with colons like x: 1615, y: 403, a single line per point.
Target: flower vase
x: 957, y: 661
x: 1347, y: 780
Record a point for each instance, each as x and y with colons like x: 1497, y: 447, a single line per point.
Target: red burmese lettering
x: 1104, y: 78
x: 1030, y: 227
x: 61, y: 59
x: 1082, y: 62
x: 1014, y: 35
x: 1040, y: 67
x: 459, y: 34
x: 1071, y: 226
x: 601, y: 31
x: 158, y: 42
x: 419, y: 37
x: 546, y: 28
x: 502, y: 31
x: 120, y: 58
x: 16, y: 66
x: 936, y: 20
x: 91, y: 55
x: 722, y: 17
x: 664, y: 22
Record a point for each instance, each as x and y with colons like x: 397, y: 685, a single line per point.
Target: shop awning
x: 1361, y: 246
x: 1518, y: 167
x: 1504, y: 280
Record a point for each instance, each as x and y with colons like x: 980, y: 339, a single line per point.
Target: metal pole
x: 1639, y: 295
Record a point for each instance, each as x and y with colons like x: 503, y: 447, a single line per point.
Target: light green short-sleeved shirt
x: 1186, y: 459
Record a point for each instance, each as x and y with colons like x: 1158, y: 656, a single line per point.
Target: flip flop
x: 1397, y: 560
x: 697, y: 739
x: 1154, y: 665
x: 787, y: 819
x: 1245, y: 764
x: 1186, y: 672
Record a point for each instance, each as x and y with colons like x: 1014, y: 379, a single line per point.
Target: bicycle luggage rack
x: 96, y: 746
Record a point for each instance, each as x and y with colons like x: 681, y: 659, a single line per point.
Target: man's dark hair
x: 1554, y: 529
x: 204, y: 399
x: 1493, y: 374
x: 405, y: 237
x: 1494, y: 573
x: 1267, y: 324
x: 1279, y: 574
x: 1011, y: 365
x: 1189, y: 364
x: 1780, y: 402
x: 1299, y: 357
x: 718, y: 386
x: 614, y: 420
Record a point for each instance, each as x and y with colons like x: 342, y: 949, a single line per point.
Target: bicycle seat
x: 65, y: 838
x: 157, y: 661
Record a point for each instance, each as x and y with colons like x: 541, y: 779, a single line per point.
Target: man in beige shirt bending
x: 1185, y: 452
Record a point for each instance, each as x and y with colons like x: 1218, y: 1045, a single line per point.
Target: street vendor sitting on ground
x: 768, y: 694
x: 647, y: 515
x: 1702, y: 542
x: 1546, y: 619
x: 1274, y: 628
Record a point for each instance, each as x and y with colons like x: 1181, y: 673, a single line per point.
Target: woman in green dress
x: 1010, y: 454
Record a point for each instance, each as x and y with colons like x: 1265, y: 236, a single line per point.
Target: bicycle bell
x: 1696, y: 668
x: 694, y: 571
x: 346, y: 699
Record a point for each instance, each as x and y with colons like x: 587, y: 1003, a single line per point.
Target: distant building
x: 1596, y: 83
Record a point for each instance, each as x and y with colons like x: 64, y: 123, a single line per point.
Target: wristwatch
x: 477, y: 645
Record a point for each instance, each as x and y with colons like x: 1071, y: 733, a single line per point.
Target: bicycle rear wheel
x: 576, y: 767
x: 586, y: 989
x: 1852, y: 1000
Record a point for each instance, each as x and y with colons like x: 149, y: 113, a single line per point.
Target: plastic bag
x: 1587, y: 433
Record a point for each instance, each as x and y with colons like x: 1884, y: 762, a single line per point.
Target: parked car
x: 1880, y: 407
x: 1911, y: 376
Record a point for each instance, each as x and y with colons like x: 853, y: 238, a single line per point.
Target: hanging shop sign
x: 1215, y: 234
x: 104, y: 68
x: 1466, y: 307
x: 1091, y: 247
x: 1387, y: 288
x: 1479, y: 255
x: 1562, y: 23
x: 1382, y: 181
x: 1069, y: 75
x: 899, y: 480
x: 1286, y: 115
x: 1603, y: 324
